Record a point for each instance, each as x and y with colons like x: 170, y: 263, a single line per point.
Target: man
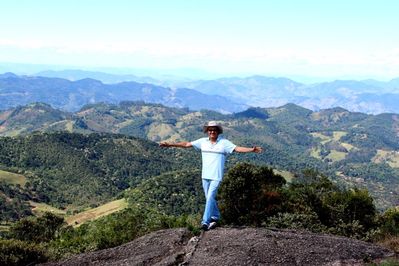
x: 214, y: 150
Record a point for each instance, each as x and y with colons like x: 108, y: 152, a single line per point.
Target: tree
x: 40, y: 229
x: 249, y: 194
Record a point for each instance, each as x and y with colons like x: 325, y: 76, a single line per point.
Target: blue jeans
x: 211, y: 207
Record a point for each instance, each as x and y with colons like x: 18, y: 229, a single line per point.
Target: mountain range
x: 71, y: 89
x: 366, y: 96
x: 72, y: 95
x: 358, y: 96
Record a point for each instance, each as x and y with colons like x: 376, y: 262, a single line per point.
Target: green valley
x: 73, y: 161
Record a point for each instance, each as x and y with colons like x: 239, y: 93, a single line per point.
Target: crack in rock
x: 190, y: 249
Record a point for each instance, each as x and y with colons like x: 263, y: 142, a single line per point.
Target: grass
x: 82, y: 217
x: 389, y: 157
x: 336, y: 156
x: 69, y: 126
x: 333, y: 155
x: 288, y: 176
x: 348, y: 146
x: 324, y: 138
x: 39, y: 208
x: 337, y: 135
x: 161, y: 130
x: 92, y: 214
x: 391, y: 242
x: 12, y: 178
x: 315, y: 153
x: 4, y: 228
x: 14, y: 132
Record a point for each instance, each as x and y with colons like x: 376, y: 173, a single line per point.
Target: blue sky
x: 331, y: 38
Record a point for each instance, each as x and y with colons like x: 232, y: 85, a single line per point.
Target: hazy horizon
x: 306, y: 40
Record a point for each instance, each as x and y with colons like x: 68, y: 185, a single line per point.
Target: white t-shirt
x: 213, y: 156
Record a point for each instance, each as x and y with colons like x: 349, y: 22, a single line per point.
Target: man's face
x: 213, y: 132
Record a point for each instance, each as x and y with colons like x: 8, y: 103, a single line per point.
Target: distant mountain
x: 72, y: 95
x: 352, y: 148
x: 29, y: 118
x: 74, y: 75
x: 359, y: 96
x: 392, y: 85
x: 254, y: 91
x: 234, y: 94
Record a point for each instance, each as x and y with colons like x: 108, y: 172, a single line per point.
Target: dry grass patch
x: 324, y: 138
x: 391, y: 242
x: 336, y: 156
x: 288, y: 176
x: 12, y: 178
x: 95, y: 213
x: 160, y: 131
x: 315, y: 153
x: 389, y: 157
x: 348, y: 146
x: 39, y: 208
x: 337, y: 135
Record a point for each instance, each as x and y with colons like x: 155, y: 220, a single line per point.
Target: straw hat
x: 213, y: 124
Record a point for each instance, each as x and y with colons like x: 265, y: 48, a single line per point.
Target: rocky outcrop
x: 235, y: 246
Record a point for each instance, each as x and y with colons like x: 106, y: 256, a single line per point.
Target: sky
x: 292, y: 38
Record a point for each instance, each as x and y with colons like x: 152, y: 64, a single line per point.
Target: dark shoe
x: 212, y: 225
x: 204, y: 227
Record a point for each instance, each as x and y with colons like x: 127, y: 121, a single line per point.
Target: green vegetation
x: 16, y: 252
x: 173, y: 193
x: 73, y: 171
x: 12, y: 178
x: 13, y: 202
x: 37, y: 229
x: 389, y: 157
x: 71, y: 174
x: 294, y: 138
x: 41, y: 208
x: 254, y: 195
x: 249, y: 195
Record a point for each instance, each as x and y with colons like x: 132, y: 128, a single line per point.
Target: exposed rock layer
x: 235, y: 246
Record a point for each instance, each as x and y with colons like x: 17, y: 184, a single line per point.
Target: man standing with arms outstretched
x: 214, y: 150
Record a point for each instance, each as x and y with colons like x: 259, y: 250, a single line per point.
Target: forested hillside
x: 351, y: 148
x: 75, y: 171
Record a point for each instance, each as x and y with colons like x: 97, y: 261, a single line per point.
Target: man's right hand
x: 164, y: 144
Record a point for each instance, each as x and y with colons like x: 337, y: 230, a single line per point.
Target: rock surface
x: 235, y: 246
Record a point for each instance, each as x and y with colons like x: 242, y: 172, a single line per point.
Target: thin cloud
x: 219, y: 56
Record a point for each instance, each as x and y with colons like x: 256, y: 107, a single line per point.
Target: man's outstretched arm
x: 256, y: 149
x: 183, y: 144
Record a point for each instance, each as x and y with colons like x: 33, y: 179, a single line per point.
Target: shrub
x: 37, y: 229
x: 351, y: 229
x: 389, y: 222
x: 249, y: 194
x: 16, y: 252
x: 115, y: 229
x: 296, y: 221
x: 349, y: 210
x: 306, y: 195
